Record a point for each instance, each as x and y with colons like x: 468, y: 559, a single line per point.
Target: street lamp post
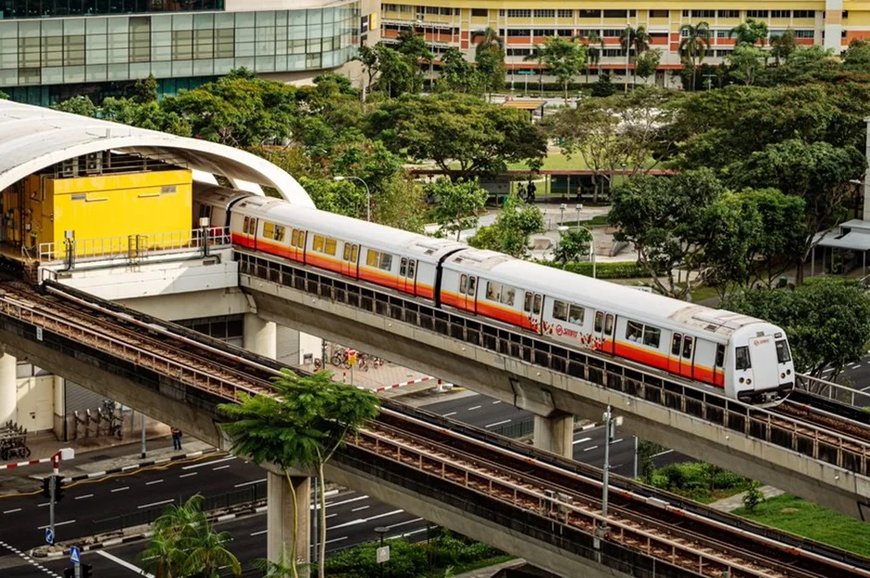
x: 562, y: 208
x: 591, y: 240
x: 368, y: 192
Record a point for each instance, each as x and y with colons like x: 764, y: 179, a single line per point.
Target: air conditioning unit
x: 69, y: 167
x: 94, y: 163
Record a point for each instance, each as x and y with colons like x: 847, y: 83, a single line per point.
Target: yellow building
x: 523, y: 24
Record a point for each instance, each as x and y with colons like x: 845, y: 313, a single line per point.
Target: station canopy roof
x: 853, y: 235
x: 33, y: 138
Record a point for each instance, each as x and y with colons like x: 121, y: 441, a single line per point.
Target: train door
x: 676, y: 354
x: 533, y: 305
x: 765, y: 368
x: 687, y: 361
x: 249, y: 229
x: 349, y: 259
x: 468, y: 292
x: 719, y: 366
x: 408, y: 276
x: 602, y: 330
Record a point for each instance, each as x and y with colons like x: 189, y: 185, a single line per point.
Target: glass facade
x: 50, y: 8
x: 107, y: 49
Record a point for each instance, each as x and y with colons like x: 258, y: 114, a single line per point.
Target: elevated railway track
x: 559, y: 500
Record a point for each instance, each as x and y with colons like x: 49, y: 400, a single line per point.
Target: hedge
x: 617, y: 270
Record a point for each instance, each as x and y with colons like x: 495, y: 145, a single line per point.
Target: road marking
x: 502, y: 422
x: 474, y: 408
x: 211, y: 463
x: 328, y: 516
x: 155, y: 504
x: 12, y: 511
x: 124, y: 563
x: 590, y: 448
x: 348, y: 501
x: 120, y: 489
x: 662, y: 453
x: 616, y: 441
x: 56, y: 524
x: 449, y: 414
x: 336, y: 540
x: 496, y: 402
x: 865, y: 388
x: 580, y: 441
x: 220, y: 468
x: 360, y: 508
x: 84, y: 497
x: 42, y: 505
x: 364, y: 520
x: 28, y: 559
x: 259, y: 532
x: 188, y: 475
x: 152, y: 482
x: 404, y: 523
x: 249, y: 483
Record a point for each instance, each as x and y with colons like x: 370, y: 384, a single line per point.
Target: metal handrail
x: 121, y: 246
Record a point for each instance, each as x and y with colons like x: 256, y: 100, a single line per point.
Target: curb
x: 411, y: 382
x: 145, y: 464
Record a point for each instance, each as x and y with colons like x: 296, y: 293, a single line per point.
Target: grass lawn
x: 556, y: 161
x: 806, y: 519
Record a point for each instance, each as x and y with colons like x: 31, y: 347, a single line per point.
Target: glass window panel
x: 223, y: 65
x: 95, y: 73
x: 51, y: 75
x: 225, y: 43
x: 182, y: 44
x: 74, y: 74
x: 651, y: 336
x: 52, y: 51
x: 633, y: 331
x: 297, y: 18
x: 182, y: 21
x: 117, y: 72
x: 296, y: 62
x: 203, y: 44
x: 161, y: 23
x: 576, y: 315
x: 560, y: 310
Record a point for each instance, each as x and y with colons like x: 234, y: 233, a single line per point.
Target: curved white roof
x: 33, y: 137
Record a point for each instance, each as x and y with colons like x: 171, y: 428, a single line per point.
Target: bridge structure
x: 202, y: 275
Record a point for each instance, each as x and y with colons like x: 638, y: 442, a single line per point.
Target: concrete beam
x: 555, y: 434
x: 525, y: 385
x: 280, y: 519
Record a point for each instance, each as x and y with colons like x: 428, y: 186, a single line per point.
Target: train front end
x: 762, y: 367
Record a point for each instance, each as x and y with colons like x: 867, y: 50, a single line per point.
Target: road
x: 353, y: 517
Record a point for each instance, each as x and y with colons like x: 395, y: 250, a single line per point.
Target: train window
x: 386, y: 261
x: 298, y: 238
x: 507, y: 296
x: 348, y: 248
x: 372, y: 258
x: 493, y: 290
x: 527, y: 302
x: 252, y: 226
x: 403, y: 267
x: 560, y: 310
x: 279, y: 233
x: 330, y: 246
x: 599, y: 321
x: 472, y: 286
x: 783, y: 355
x: 633, y: 331
x: 720, y: 355
x: 318, y: 243
x: 576, y: 315
x: 463, y: 284
x: 268, y: 230
x: 688, y: 342
x: 741, y: 358
x: 676, y: 343
x: 608, y: 324
x: 412, y: 268
x: 354, y: 252
x: 245, y: 224
x: 652, y: 336
x: 537, y: 307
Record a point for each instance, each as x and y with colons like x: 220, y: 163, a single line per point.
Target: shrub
x: 753, y: 496
x: 619, y: 270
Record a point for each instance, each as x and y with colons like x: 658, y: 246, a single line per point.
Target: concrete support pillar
x: 260, y: 336
x: 555, y: 434
x: 279, y: 518
x: 59, y: 395
x: 8, y: 389
x: 866, y: 215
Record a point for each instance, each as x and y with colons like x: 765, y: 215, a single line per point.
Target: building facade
x: 522, y: 25
x: 51, y: 50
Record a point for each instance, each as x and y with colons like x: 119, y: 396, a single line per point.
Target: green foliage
x: 406, y: 559
x: 184, y: 545
x: 614, y: 270
x: 457, y: 74
x: 753, y: 497
x: 573, y: 245
x: 746, y: 61
x: 694, y: 46
x: 510, y: 232
x: 457, y: 204
x: 646, y: 64
x: 697, y: 480
x: 749, y: 33
x: 603, y: 87
x: 413, y: 48
x: 782, y: 46
x: 464, y: 136
x: 81, y: 105
x: 564, y: 58
x: 857, y: 56
x: 145, y: 90
x: 827, y: 321
x: 489, y: 58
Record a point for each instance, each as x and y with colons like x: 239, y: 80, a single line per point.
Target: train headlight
x: 748, y: 382
x: 788, y: 372
x: 741, y: 380
x: 782, y: 375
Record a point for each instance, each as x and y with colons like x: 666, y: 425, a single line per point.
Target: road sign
x: 75, y: 555
x: 383, y: 554
x: 525, y: 72
x: 49, y: 536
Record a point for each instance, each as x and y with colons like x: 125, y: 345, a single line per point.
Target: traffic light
x: 46, y: 486
x: 86, y: 570
x: 58, y: 489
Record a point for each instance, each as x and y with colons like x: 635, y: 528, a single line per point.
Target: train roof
x: 341, y: 227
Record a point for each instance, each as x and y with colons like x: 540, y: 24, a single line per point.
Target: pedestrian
x: 176, y: 438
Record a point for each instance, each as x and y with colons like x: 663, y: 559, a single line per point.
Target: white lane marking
x: 616, y: 441
x: 502, y: 422
x: 12, y: 511
x: 152, y: 482
x: 211, y: 463
x: 120, y: 489
x: 662, y: 453
x: 188, y: 475
x: 220, y: 468
x: 496, y: 402
x: 474, y: 408
x: 84, y: 497
x: 336, y: 540
x: 449, y: 414
x: 56, y: 524
x: 249, y: 483
x: 123, y: 563
x: 143, y: 506
x: 580, y: 441
x: 42, y: 505
x: 364, y: 520
x: 259, y: 532
x: 360, y: 508
x: 348, y: 501
x: 328, y: 516
x: 590, y: 448
x: 404, y: 523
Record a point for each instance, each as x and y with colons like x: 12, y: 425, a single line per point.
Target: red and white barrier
x: 65, y: 453
x: 412, y: 382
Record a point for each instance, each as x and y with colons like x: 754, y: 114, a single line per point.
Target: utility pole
x: 606, y: 471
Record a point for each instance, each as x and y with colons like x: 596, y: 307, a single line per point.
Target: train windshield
x: 783, y: 355
x: 741, y: 357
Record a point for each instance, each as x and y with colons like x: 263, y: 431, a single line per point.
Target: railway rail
x: 647, y: 522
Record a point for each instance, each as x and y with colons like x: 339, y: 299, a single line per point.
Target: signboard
x: 49, y: 536
x: 75, y: 555
x: 383, y: 554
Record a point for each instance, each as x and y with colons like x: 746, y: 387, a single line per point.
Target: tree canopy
x: 510, y: 232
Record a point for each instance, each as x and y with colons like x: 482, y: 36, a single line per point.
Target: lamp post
x: 591, y: 240
x: 562, y: 208
x: 368, y: 192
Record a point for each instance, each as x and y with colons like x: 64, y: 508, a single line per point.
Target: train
x: 738, y: 356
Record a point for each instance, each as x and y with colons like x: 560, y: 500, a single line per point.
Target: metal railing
x: 834, y: 391
x: 823, y: 445
x: 133, y: 246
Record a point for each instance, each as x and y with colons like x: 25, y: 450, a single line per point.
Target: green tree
x: 753, y: 496
x: 827, y: 321
x: 510, y: 232
x: 464, y: 136
x: 81, y: 105
x: 694, y: 46
x: 594, y: 49
x: 184, y: 544
x: 395, y: 73
x: 145, y: 90
x: 301, y: 426
x: 573, y: 245
x: 747, y: 62
x: 537, y: 55
x: 666, y: 220
x: 646, y: 63
x: 457, y: 74
x: 368, y: 57
x: 633, y: 40
x: 603, y: 87
x: 413, y: 47
x: 565, y: 59
x: 489, y: 57
x: 857, y: 56
x: 750, y: 32
x: 457, y: 204
x: 783, y: 45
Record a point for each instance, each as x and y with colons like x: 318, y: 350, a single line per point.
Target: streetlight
x: 368, y: 193
x: 562, y: 208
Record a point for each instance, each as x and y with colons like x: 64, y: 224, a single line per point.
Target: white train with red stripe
x: 744, y: 357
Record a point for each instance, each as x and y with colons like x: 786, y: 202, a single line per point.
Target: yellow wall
x: 110, y: 207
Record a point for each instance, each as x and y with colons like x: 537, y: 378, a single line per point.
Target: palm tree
x: 636, y: 39
x: 594, y: 49
x: 626, y: 41
x: 210, y: 555
x: 694, y: 45
x: 641, y: 45
x: 537, y: 55
x: 489, y: 57
x: 490, y: 39
x: 301, y: 426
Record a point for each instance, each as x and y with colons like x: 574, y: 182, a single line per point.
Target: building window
x: 479, y: 12
x: 804, y: 33
x: 756, y: 13
x: 590, y: 13
x: 547, y: 32
x: 659, y: 13
x: 780, y: 13
x: 729, y: 13
x: 545, y: 13
x: 514, y: 32
x: 803, y: 14
x: 565, y: 13
x: 703, y: 14
x: 140, y: 39
x: 565, y: 32
x: 519, y: 13
x: 616, y: 14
